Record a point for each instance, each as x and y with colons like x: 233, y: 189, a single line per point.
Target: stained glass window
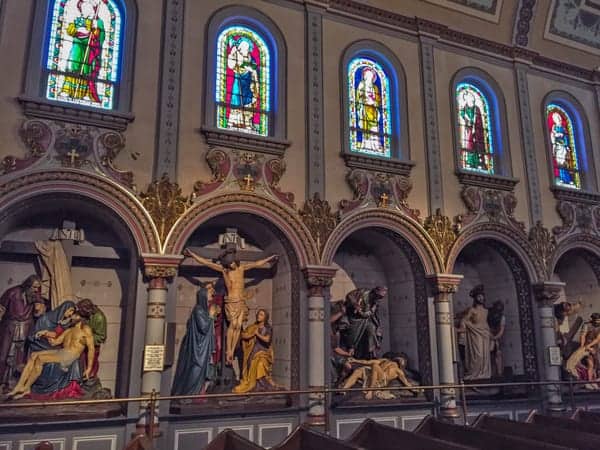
x: 369, y: 108
x: 562, y: 146
x: 243, y: 93
x: 83, y: 52
x: 474, y: 129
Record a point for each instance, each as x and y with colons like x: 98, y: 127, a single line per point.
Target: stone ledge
x: 65, y: 112
x: 574, y: 195
x: 498, y: 182
x: 245, y: 141
x: 378, y: 164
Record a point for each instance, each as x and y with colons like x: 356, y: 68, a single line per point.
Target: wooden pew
x: 303, y: 438
x: 550, y: 435
x: 371, y: 435
x: 488, y: 440
x: 230, y: 440
x: 581, y: 415
x: 565, y: 423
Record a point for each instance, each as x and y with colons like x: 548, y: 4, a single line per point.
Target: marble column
x: 441, y: 287
x: 318, y: 280
x: 159, y: 270
x: 546, y: 294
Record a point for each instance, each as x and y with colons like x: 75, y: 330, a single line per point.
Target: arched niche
x: 374, y: 256
x: 277, y: 289
x: 505, y: 278
x: 103, y: 267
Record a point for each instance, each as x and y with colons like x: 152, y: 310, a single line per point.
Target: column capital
x: 318, y: 278
x: 443, y: 283
x: 161, y: 266
x: 547, y: 292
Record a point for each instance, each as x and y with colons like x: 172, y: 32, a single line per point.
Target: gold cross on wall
x: 383, y: 200
x: 73, y: 155
x: 248, y: 183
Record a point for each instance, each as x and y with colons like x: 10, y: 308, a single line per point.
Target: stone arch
x: 123, y: 203
x: 285, y: 220
x: 582, y: 242
x: 398, y: 223
x: 515, y: 241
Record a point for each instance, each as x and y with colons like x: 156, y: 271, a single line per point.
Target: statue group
x: 49, y: 354
x: 480, y: 330
x: 356, y: 341
x: 579, y: 343
x: 199, y: 361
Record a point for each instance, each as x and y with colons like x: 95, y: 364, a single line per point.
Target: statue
x: 364, y: 331
x: 97, y: 322
x: 378, y: 373
x: 73, y: 342
x: 497, y: 323
x: 477, y: 338
x: 258, y: 356
x: 235, y: 303
x: 195, y: 364
x: 339, y: 354
x: 19, y: 306
x: 565, y: 330
x: 584, y: 363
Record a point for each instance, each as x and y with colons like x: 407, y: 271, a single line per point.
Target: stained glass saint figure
x: 242, y: 81
x: 83, y: 55
x: 564, y: 154
x: 474, y: 129
x: 369, y: 108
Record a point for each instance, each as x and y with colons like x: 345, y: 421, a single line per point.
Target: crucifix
x: 233, y: 271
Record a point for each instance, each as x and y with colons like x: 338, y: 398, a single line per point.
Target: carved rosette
x: 543, y: 245
x: 491, y: 205
x: 165, y: 204
x: 378, y: 189
x: 442, y: 231
x: 319, y: 219
x: 246, y: 171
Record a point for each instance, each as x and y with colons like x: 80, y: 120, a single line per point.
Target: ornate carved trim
x: 577, y: 217
x: 522, y: 22
x: 577, y: 196
x: 442, y: 232
x: 443, y: 283
x: 319, y: 219
x: 165, y: 204
x: 543, y: 245
x: 40, y: 108
x: 386, y: 165
x: 484, y: 204
x: 547, y: 293
x: 37, y: 137
x: 284, y: 218
x: 220, y: 165
x: 124, y: 203
x: 318, y: 278
x: 497, y: 182
x: 161, y: 266
x: 245, y: 141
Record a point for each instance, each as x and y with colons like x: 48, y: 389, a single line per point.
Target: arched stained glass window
x: 243, y: 91
x: 369, y: 108
x: 84, y: 47
x: 565, y: 166
x: 474, y: 129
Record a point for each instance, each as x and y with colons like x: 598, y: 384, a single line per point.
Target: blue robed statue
x: 194, y: 364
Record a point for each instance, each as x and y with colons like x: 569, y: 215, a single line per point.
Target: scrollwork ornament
x: 543, y: 244
x: 442, y: 232
x: 316, y: 284
x: 319, y: 219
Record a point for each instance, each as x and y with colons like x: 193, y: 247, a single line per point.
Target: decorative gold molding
x: 165, y: 204
x: 543, y: 244
x: 319, y: 219
x: 442, y: 232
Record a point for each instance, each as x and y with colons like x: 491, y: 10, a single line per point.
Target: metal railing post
x: 463, y: 399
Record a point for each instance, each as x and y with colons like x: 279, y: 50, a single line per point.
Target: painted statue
x: 368, y: 97
x: 379, y: 373
x: 477, y: 338
x: 339, y: 353
x: 257, y: 345
x: 87, y: 34
x: 65, y: 350
x: 584, y: 363
x: 472, y: 132
x: 244, y: 89
x: 236, y: 309
x: 565, y: 328
x: 195, y: 366
x: 364, y: 333
x: 497, y: 323
x: 19, y: 307
x: 97, y: 322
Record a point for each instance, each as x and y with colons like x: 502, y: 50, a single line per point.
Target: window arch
x: 374, y: 109
x: 481, y: 142
x: 83, y: 56
x: 564, y: 152
x: 86, y: 49
x: 245, y: 101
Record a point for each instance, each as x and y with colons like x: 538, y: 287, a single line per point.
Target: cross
x: 383, y: 200
x: 248, y: 185
x: 73, y: 155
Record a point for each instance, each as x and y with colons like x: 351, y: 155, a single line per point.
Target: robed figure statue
x: 364, y: 335
x: 194, y: 365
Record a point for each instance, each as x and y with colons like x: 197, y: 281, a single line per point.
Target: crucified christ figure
x: 236, y: 309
